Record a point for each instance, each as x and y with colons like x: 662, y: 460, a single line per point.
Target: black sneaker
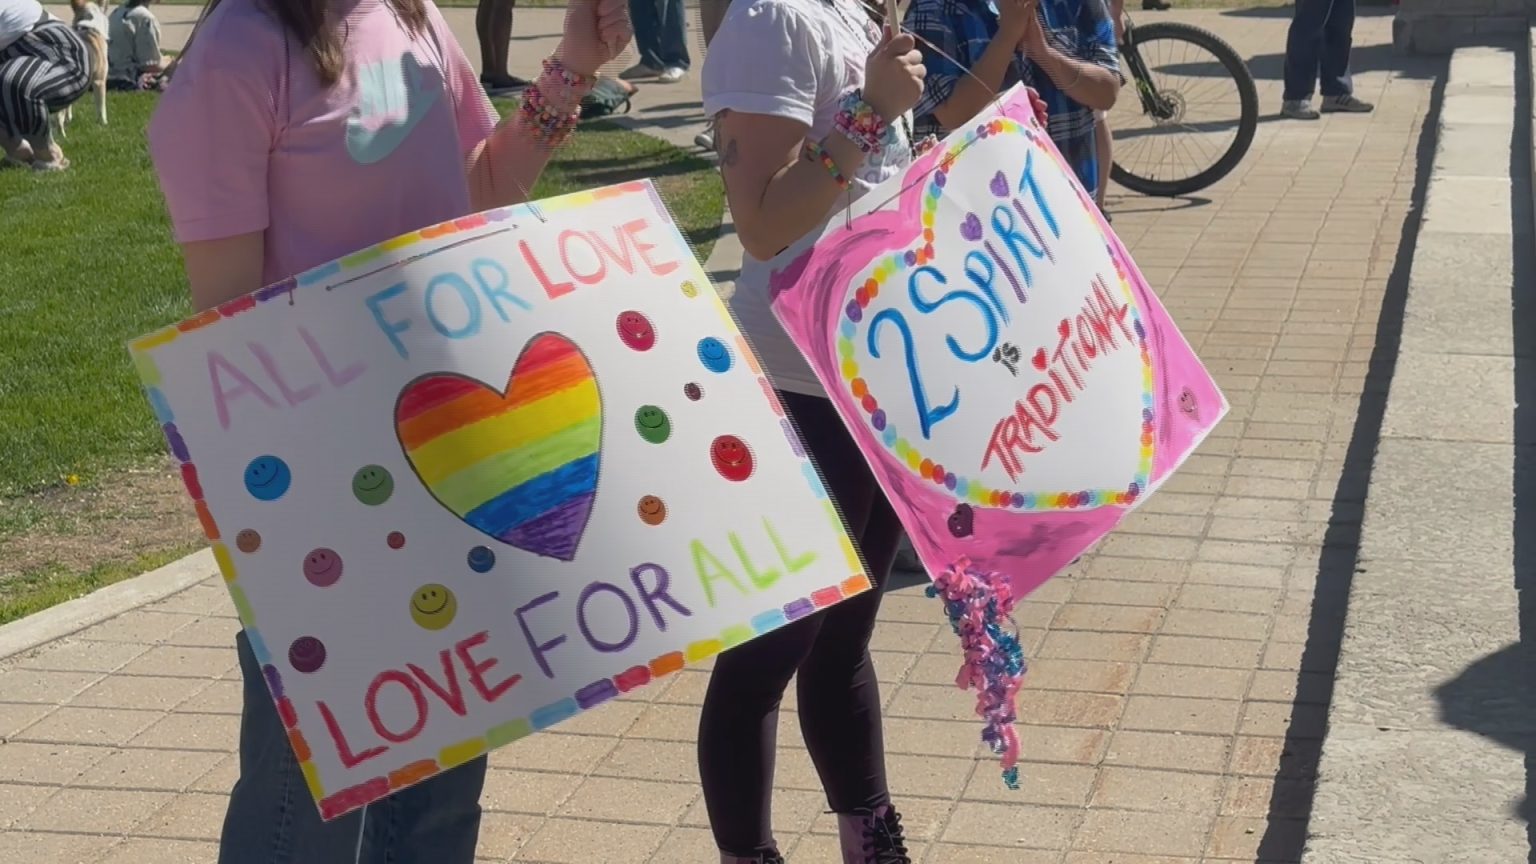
x: 496, y: 85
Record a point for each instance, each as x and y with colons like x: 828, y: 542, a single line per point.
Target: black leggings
x: 839, y: 698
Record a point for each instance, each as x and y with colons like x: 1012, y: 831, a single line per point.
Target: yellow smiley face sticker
x: 433, y: 607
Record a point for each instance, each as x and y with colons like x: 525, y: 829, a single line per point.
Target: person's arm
x: 503, y: 167
x: 776, y: 193
x: 219, y: 271
x: 956, y: 97
x: 146, y: 47
x: 1090, y: 84
x: 211, y: 139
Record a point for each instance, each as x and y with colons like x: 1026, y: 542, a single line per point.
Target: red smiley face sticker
x: 635, y: 330
x: 731, y: 458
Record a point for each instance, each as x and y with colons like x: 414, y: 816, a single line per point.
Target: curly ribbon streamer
x: 977, y: 603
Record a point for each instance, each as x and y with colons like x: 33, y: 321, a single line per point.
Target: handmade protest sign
x: 1010, y: 376
x: 473, y: 481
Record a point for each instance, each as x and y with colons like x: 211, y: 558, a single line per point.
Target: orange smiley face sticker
x: 652, y: 510
x: 731, y: 458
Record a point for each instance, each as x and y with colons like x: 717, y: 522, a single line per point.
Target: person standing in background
x: 493, y: 29
x: 1319, y: 42
x: 661, y: 35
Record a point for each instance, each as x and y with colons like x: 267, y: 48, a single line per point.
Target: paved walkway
x: 1173, y: 712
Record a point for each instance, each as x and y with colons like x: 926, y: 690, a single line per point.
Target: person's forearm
x: 505, y: 167
x: 1088, y: 84
x: 795, y: 201
x: 969, y: 95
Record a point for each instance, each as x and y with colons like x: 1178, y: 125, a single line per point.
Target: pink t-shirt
x: 246, y: 139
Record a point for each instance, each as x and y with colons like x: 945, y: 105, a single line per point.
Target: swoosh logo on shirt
x: 392, y: 99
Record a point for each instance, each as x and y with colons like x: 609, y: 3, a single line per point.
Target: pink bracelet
x: 549, y: 126
x: 859, y: 123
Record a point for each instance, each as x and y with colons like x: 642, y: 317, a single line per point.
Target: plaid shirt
x: 962, y: 29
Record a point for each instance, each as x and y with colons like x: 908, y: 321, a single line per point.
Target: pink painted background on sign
x: 814, y: 285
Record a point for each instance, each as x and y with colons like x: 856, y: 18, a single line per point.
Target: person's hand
x: 596, y: 32
x: 1033, y: 43
x: 1038, y: 103
x: 1012, y: 17
x: 893, y: 75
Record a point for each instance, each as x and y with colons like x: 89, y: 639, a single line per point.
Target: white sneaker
x: 672, y: 75
x: 1298, y: 109
x: 704, y: 140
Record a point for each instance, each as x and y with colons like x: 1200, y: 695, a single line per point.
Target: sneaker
x: 672, y: 75
x: 1156, y: 5
x: 873, y: 837
x: 704, y: 140
x: 1298, y: 109
x: 639, y: 72
x: 497, y: 85
x: 1346, y: 104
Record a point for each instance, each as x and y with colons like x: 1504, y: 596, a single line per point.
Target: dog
x: 91, y: 25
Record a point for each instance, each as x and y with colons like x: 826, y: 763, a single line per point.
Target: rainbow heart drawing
x: 518, y: 464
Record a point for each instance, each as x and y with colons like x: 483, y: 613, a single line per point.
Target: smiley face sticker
x: 714, y: 355
x: 653, y: 424
x: 267, y: 478
x: 433, y: 607
x: 731, y: 458
x: 652, y: 510
x: 322, y: 567
x: 635, y: 330
x: 372, y: 484
x: 248, y: 540
x: 306, y: 654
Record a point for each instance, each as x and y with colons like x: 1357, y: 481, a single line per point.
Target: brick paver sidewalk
x: 1167, y: 715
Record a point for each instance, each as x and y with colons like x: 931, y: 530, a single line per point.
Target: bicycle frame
x: 1151, y: 101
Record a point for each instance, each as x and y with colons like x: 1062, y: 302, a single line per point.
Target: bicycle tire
x: 1248, y: 123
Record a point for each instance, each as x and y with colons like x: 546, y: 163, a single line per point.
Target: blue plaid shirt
x: 962, y: 29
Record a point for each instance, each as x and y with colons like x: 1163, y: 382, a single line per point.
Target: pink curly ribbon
x: 977, y: 604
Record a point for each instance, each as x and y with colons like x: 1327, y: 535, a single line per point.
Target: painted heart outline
x: 519, y: 462
x: 969, y: 330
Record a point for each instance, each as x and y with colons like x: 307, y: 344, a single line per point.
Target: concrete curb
x: 109, y: 602
x: 1419, y: 763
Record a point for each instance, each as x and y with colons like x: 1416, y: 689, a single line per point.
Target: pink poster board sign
x: 1011, y: 377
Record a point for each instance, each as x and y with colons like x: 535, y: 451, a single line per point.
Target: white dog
x: 91, y: 25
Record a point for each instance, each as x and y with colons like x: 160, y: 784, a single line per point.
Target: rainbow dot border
x: 334, y: 803
x: 964, y: 488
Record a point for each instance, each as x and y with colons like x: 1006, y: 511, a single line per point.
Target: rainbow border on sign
x: 966, y: 488
x: 338, y: 802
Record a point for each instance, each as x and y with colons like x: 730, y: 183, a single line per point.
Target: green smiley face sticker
x: 372, y: 484
x: 653, y: 424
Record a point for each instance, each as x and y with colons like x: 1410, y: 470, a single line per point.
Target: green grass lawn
x: 87, y: 262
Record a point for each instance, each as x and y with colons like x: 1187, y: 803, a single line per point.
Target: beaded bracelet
x: 548, y: 125
x: 859, y: 123
x: 817, y: 152
x: 554, y: 67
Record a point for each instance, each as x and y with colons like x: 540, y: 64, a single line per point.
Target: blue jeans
x: 272, y: 818
x: 1322, y: 32
x: 661, y: 33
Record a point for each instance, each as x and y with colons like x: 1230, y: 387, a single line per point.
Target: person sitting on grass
x: 974, y: 50
x: 134, y: 61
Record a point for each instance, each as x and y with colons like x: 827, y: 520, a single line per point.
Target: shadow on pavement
x: 1496, y: 696
x: 1290, y: 807
x: 1271, y: 67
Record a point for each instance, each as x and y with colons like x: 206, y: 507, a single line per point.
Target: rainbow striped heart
x: 521, y: 464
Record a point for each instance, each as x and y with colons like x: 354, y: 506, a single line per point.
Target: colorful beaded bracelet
x: 817, y: 152
x: 859, y: 123
x: 548, y: 125
x: 554, y: 67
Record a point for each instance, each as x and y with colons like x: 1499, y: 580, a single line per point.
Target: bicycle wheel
x: 1193, y: 115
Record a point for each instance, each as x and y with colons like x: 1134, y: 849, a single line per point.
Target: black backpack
x: 606, y: 97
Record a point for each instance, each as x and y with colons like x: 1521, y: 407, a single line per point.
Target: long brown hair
x: 310, y: 24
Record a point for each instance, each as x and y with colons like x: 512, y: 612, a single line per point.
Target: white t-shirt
x: 17, y: 17
x: 793, y: 59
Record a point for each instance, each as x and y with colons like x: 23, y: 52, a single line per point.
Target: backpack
x: 606, y: 97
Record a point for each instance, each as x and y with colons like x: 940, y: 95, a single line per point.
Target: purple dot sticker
x: 322, y: 567
x: 396, y: 540
x: 306, y: 654
x: 693, y: 391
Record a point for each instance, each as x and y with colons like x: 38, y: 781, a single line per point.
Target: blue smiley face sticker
x: 267, y: 478
x: 481, y: 559
x: 714, y: 355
